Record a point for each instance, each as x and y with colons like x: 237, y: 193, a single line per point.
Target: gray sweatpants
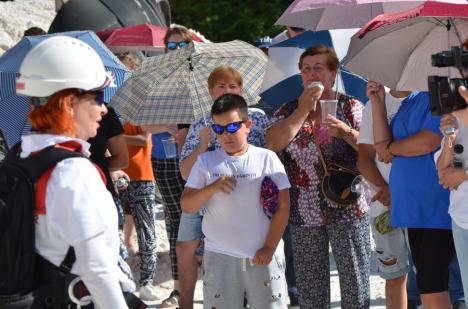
x: 227, y: 278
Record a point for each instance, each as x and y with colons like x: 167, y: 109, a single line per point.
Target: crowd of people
x: 240, y: 181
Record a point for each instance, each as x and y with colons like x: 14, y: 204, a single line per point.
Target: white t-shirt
x: 366, y: 136
x: 78, y: 206
x: 458, y: 208
x: 235, y: 224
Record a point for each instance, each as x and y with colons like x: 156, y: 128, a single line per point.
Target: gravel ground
x: 163, y: 281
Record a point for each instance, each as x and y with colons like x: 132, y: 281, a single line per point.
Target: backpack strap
x: 53, y: 155
x: 56, y: 153
x: 67, y: 263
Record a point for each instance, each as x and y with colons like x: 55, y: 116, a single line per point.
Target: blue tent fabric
x: 14, y: 109
x: 308, y: 39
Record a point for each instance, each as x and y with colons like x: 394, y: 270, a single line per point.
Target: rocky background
x: 19, y: 15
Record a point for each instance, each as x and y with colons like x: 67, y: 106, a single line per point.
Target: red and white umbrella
x: 144, y: 37
x: 342, y: 14
x: 395, y: 49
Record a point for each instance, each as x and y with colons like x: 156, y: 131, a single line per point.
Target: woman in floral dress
x: 294, y: 132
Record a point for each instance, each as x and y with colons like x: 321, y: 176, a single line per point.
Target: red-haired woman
x: 69, y: 76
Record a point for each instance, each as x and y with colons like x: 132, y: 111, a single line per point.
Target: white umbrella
x: 342, y: 14
x: 395, y: 50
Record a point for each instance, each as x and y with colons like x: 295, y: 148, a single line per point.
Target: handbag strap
x: 314, y: 136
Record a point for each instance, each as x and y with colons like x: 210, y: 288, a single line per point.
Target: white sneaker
x: 148, y: 293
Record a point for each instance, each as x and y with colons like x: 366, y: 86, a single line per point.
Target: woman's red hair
x: 54, y: 117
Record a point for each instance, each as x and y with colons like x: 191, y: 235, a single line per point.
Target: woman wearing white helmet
x: 69, y: 77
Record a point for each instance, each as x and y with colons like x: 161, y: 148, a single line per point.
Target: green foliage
x: 226, y: 20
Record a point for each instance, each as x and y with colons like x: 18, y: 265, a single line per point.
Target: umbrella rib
x: 457, y: 33
x: 192, y: 74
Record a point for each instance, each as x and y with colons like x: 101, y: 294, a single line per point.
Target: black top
x: 110, y: 127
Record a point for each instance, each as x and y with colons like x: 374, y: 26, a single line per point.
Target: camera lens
x: 458, y: 148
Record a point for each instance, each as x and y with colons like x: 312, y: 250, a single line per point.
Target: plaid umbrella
x: 15, y: 109
x: 173, y: 88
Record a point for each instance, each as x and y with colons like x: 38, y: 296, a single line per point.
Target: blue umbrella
x: 14, y: 109
x: 282, y: 80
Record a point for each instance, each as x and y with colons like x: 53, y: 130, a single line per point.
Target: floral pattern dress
x: 309, y: 207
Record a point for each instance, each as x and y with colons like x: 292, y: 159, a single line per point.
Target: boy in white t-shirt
x: 391, y: 248
x: 241, y: 242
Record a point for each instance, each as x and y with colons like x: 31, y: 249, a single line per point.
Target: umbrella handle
x: 337, y: 82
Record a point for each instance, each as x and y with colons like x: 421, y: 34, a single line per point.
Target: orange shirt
x: 139, y: 165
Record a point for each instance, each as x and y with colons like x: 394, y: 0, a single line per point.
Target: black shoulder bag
x: 337, y: 181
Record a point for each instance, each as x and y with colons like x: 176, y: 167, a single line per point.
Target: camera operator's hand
x: 375, y: 92
x: 463, y: 92
x: 450, y: 178
x: 449, y: 121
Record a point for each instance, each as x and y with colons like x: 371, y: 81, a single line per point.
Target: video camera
x: 443, y: 91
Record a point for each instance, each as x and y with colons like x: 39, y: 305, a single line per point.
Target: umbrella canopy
x: 173, y: 88
x: 338, y: 14
x: 283, y: 82
x: 144, y: 37
x: 395, y: 50
x: 14, y: 109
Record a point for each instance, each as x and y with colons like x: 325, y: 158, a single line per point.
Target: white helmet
x: 58, y: 63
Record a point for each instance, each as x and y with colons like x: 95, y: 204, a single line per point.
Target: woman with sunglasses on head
x: 166, y: 169
x: 298, y: 133
x: 78, y: 211
x: 222, y: 80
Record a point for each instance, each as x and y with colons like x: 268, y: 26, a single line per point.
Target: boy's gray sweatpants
x: 226, y: 278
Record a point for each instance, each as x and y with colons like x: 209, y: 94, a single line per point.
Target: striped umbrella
x: 14, y: 109
x: 283, y: 82
x: 173, y: 88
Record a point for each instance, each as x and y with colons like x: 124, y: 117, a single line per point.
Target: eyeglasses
x: 98, y: 93
x: 232, y: 127
x: 174, y: 45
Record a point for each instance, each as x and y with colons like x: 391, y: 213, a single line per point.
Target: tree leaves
x: 226, y: 20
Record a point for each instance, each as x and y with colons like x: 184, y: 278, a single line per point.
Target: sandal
x: 172, y: 300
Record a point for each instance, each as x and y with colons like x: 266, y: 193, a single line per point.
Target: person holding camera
x: 419, y: 202
x: 452, y: 162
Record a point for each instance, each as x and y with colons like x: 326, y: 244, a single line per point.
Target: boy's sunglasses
x: 174, y: 45
x: 232, y: 127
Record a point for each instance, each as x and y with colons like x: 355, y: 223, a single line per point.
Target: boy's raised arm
x: 278, y: 224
